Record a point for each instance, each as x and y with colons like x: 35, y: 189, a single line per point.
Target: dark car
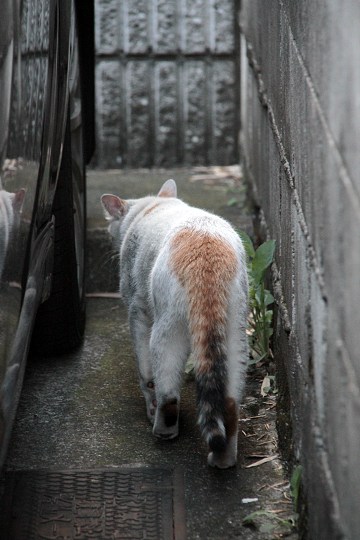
x: 46, y: 139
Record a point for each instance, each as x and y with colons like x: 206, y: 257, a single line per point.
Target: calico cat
x: 183, y: 278
x: 10, y: 208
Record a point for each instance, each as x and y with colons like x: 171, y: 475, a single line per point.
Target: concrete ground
x: 85, y: 409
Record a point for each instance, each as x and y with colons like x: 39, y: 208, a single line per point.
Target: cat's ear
x: 115, y: 208
x: 168, y: 189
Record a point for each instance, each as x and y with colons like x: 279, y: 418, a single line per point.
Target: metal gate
x: 167, y: 82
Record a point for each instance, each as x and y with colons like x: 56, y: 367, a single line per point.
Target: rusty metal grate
x: 118, y: 503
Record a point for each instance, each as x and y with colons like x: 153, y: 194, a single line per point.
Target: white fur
x: 10, y: 208
x: 157, y: 301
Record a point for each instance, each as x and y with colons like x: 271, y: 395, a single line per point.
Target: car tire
x: 60, y: 320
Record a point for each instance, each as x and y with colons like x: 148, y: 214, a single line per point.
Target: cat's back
x: 144, y: 231
x: 160, y: 230
x: 152, y: 218
x: 199, y: 223
x: 154, y: 223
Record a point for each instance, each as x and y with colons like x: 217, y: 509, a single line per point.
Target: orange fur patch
x: 231, y: 416
x: 165, y: 193
x: 149, y: 210
x: 170, y: 411
x: 205, y: 266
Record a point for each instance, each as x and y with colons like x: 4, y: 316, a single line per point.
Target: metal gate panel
x: 167, y: 82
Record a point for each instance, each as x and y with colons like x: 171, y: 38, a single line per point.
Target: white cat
x: 183, y: 278
x: 10, y: 208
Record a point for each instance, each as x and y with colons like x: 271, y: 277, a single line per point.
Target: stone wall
x: 300, y: 94
x: 167, y: 82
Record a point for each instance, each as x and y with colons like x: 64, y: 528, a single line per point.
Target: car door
x: 42, y: 186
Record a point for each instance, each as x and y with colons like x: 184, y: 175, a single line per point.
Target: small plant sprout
x: 260, y: 299
x: 266, y: 521
x: 295, y: 485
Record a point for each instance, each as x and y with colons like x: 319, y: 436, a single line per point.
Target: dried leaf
x: 261, y: 461
x: 265, y: 386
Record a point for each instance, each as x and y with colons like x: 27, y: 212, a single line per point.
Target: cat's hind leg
x: 169, y: 346
x: 140, y: 329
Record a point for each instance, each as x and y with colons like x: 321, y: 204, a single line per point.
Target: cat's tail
x: 206, y: 266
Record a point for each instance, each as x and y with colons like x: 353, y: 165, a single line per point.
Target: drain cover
x: 118, y: 503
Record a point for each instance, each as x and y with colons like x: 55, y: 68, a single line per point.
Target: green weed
x: 268, y: 522
x: 260, y: 299
x: 233, y: 201
x: 295, y: 484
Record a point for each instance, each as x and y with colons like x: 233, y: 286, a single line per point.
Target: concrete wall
x: 166, y: 82
x: 300, y: 71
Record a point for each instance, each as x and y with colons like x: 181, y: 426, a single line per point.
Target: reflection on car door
x: 24, y: 63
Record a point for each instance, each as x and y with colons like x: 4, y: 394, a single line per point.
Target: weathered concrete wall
x: 300, y: 143
x: 166, y: 82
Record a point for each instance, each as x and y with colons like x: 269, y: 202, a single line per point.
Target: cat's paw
x: 165, y: 433
x: 222, y: 460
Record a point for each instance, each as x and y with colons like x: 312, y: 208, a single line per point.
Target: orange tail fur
x: 205, y: 265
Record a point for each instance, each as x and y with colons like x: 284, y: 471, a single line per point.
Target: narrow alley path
x: 85, y: 410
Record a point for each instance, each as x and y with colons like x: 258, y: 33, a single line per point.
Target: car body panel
x: 35, y: 47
